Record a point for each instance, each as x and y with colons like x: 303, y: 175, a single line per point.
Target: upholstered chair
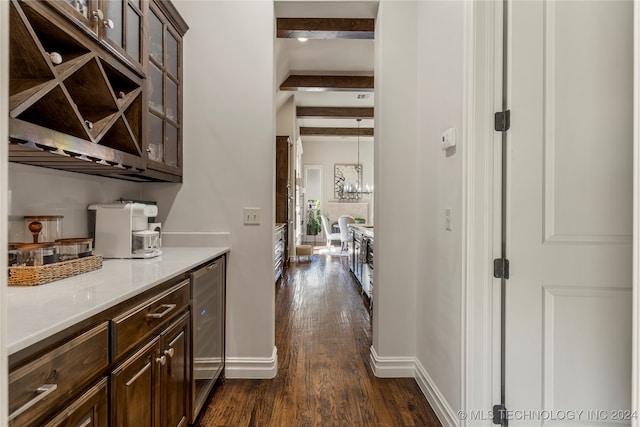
x: 327, y: 231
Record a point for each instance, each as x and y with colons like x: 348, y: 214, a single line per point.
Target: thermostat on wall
x: 448, y: 139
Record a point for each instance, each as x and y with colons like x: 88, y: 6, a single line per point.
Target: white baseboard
x: 410, y: 367
x: 252, y: 367
x: 392, y: 367
x: 441, y: 407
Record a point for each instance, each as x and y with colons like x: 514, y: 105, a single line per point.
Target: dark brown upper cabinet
x: 164, y: 82
x: 79, y: 104
x: 117, y: 24
x: 122, y: 27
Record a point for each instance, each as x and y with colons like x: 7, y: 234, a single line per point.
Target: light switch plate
x: 447, y: 219
x: 251, y: 216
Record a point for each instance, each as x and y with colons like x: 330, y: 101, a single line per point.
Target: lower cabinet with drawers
x: 56, y: 376
x: 127, y: 366
x: 88, y: 410
x: 151, y: 386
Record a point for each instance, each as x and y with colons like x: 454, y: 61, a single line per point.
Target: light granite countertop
x: 37, y: 312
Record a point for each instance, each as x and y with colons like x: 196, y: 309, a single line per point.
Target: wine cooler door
x: 208, y: 295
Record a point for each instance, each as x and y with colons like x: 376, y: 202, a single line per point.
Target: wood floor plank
x: 323, y: 336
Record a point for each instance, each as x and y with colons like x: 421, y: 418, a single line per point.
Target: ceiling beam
x: 303, y: 83
x: 325, y: 28
x: 327, y: 131
x: 334, y: 112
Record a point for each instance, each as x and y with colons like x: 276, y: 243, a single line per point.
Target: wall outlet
x: 251, y: 216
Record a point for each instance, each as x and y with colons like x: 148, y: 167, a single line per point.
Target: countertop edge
x: 362, y: 228
x: 33, y: 334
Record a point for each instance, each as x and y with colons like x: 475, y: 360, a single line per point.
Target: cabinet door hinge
x: 500, y: 415
x: 502, y: 121
x: 501, y: 268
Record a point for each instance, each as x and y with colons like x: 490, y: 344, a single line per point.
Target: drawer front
x: 89, y: 410
x: 134, y: 325
x: 36, y: 388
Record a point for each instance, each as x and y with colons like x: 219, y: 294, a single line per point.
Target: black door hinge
x: 503, y: 121
x: 501, y: 268
x: 499, y: 415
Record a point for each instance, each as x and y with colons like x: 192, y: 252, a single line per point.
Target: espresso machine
x: 122, y: 230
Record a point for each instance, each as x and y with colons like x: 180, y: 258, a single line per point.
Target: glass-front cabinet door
x: 83, y: 13
x: 164, y: 77
x: 121, y: 27
x: 119, y: 24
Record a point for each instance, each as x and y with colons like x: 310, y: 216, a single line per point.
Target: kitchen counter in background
x: 365, y: 229
x: 361, y: 246
x: 37, y: 312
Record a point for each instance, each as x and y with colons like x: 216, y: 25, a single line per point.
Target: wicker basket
x: 41, y: 274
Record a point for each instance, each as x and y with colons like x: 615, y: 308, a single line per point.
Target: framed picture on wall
x: 346, y: 180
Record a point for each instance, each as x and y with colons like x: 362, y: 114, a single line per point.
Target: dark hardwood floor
x: 323, y: 335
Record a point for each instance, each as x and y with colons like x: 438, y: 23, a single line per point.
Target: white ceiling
x: 329, y: 57
x: 326, y: 9
x: 337, y: 56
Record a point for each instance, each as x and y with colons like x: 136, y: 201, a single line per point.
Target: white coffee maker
x: 121, y: 230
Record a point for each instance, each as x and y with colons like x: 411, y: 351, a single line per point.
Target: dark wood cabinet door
x: 89, y: 410
x: 175, y: 375
x: 81, y: 12
x: 282, y: 179
x: 135, y: 388
x: 122, y: 28
x: 164, y: 79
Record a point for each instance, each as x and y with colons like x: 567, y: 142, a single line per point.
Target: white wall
x: 40, y: 191
x: 328, y: 153
x: 286, y: 118
x: 398, y: 227
x: 440, y: 178
x: 229, y: 159
x: 418, y: 283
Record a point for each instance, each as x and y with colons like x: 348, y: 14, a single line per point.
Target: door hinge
x: 500, y: 415
x: 501, y: 268
x: 503, y: 121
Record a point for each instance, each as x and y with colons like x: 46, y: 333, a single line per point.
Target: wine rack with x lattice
x: 72, y: 105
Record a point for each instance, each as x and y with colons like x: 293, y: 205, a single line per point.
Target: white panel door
x: 568, y: 333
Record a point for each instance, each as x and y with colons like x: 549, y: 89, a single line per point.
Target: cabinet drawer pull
x: 162, y: 360
x: 160, y: 315
x: 169, y: 352
x: 43, y: 391
x: 212, y: 266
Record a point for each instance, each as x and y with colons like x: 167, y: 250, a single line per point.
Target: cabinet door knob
x: 169, y: 352
x: 108, y: 23
x: 97, y: 15
x: 162, y: 360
